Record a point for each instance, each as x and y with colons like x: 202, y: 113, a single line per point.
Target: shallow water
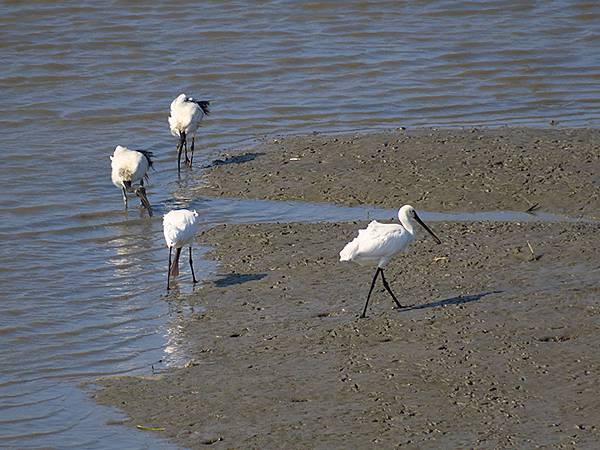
x: 232, y: 210
x: 82, y: 282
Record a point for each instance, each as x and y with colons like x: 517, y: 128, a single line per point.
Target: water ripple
x: 82, y: 279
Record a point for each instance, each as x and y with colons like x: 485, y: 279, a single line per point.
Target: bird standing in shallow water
x: 180, y: 227
x: 129, y: 167
x: 379, y: 242
x: 184, y: 119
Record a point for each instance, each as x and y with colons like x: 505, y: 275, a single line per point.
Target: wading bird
x: 180, y: 227
x: 379, y: 242
x: 129, y: 167
x: 184, y: 119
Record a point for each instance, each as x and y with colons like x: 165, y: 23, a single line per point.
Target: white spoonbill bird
x: 180, y: 227
x: 184, y: 119
x: 129, y: 167
x: 379, y: 242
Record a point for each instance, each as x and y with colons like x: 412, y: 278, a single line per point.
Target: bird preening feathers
x: 130, y: 167
x: 184, y: 119
x: 379, y: 242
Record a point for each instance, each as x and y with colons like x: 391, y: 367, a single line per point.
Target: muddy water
x: 82, y: 282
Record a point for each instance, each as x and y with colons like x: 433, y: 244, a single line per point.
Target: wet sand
x: 439, y: 170
x: 500, y: 347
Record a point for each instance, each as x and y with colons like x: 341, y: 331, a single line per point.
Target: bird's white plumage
x: 184, y: 116
x: 380, y: 241
x: 180, y: 227
x: 376, y: 244
x: 127, y: 165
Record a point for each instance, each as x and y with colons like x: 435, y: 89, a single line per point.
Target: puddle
x: 231, y: 210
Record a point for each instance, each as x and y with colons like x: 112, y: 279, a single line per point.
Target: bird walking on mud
x: 180, y: 227
x: 129, y: 167
x: 379, y: 242
x: 184, y: 119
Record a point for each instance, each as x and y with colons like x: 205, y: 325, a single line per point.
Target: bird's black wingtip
x: 203, y: 104
x: 148, y: 155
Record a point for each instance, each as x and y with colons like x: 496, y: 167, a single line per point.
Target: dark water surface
x: 82, y: 282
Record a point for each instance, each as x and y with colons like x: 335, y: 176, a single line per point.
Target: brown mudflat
x: 443, y: 170
x: 499, y: 347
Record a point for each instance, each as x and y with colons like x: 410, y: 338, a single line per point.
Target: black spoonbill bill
x: 129, y: 167
x: 184, y: 119
x: 180, y: 227
x: 380, y: 242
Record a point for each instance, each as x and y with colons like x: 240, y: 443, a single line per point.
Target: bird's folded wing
x: 378, y: 239
x: 172, y: 233
x: 179, y: 226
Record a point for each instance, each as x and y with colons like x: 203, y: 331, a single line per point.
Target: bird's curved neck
x: 407, y: 224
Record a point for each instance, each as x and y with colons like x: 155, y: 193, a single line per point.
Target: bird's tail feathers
x: 175, y: 264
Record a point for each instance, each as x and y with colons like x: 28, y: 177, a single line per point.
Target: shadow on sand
x: 237, y: 159
x: 236, y: 278
x: 461, y: 299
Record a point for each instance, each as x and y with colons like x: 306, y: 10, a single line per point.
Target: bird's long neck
x: 407, y: 224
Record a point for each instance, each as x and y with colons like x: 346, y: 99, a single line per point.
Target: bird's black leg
x: 192, y: 150
x: 192, y: 266
x: 169, y: 270
x: 179, y: 157
x: 142, y: 182
x: 179, y: 149
x: 125, y: 197
x: 187, y: 161
x: 387, y: 287
x: 364, y: 314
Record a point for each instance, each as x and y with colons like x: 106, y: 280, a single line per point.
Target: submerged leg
x: 364, y: 314
x: 387, y: 287
x: 192, y: 266
x: 125, y: 197
x: 169, y: 270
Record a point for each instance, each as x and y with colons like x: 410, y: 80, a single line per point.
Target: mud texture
x: 498, y: 348
x: 441, y: 170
